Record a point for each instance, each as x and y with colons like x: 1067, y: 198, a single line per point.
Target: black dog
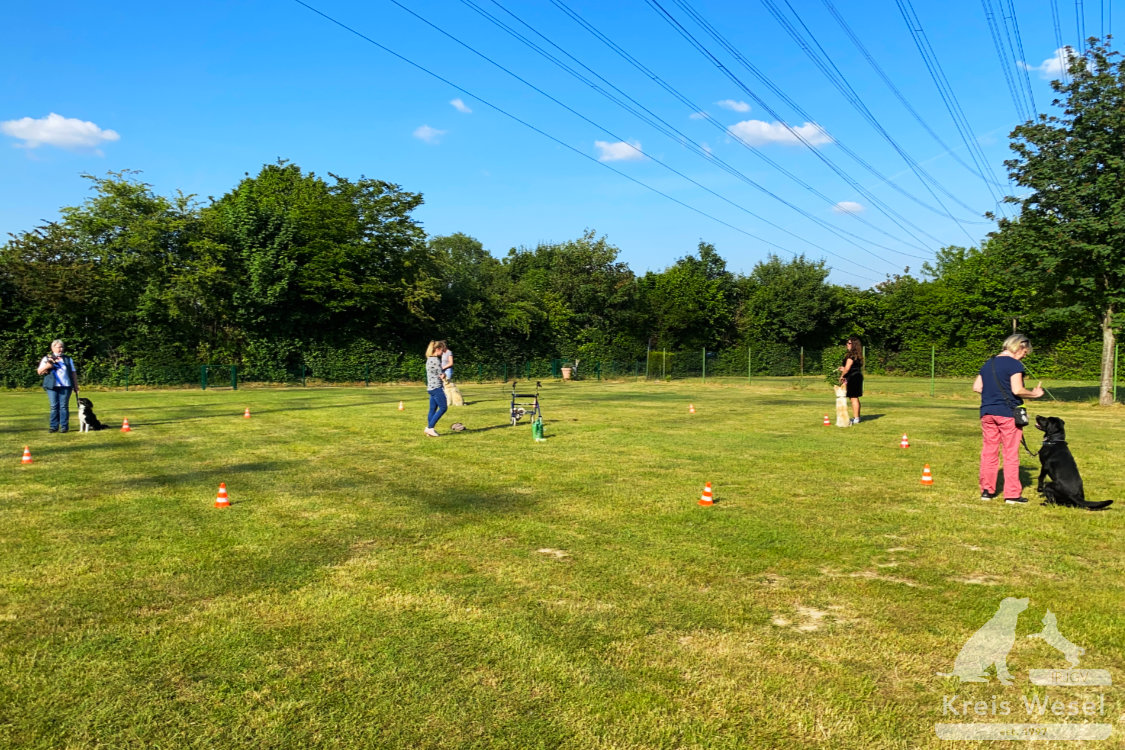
x: 86, y: 417
x: 1058, y: 464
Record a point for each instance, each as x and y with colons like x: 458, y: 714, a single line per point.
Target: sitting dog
x: 86, y: 417
x: 842, y: 407
x: 989, y: 646
x: 1058, y: 464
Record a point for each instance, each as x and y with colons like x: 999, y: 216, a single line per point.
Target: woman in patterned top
x: 435, y: 382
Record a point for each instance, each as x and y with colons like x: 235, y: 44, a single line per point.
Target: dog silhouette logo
x: 989, y: 646
x: 1051, y: 635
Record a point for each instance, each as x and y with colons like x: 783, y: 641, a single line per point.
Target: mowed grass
x: 370, y: 587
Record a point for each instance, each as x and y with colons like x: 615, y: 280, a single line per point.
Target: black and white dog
x: 1058, y: 464
x: 86, y: 417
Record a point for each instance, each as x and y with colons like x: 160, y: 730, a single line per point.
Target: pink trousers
x: 1000, y: 436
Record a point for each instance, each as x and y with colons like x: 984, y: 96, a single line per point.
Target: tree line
x: 289, y: 260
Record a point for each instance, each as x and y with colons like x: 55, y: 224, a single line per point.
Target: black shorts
x: 855, y: 386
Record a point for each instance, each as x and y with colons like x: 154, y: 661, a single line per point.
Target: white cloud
x: 428, y: 134
x: 56, y: 130
x: 848, y: 207
x: 1053, y: 67
x: 460, y: 106
x: 759, y: 133
x: 698, y: 115
x: 733, y: 105
x: 619, y: 151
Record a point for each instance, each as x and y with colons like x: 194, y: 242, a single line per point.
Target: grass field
x: 373, y: 588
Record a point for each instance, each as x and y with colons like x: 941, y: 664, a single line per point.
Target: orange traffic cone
x: 401, y: 406
x: 691, y: 408
x: 246, y: 414
x: 927, y: 478
x: 125, y: 427
x: 826, y: 422
x: 904, y: 443
x: 221, y: 500
x: 26, y: 455
x: 707, y: 498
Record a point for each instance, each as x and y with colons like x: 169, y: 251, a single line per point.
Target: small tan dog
x: 453, y: 394
x: 842, y: 407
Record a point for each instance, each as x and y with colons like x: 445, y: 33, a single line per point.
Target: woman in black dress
x: 851, y: 374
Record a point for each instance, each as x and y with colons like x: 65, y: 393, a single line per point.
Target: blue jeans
x: 59, y: 396
x: 438, y: 405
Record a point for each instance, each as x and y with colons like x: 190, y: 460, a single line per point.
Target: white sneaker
x: 854, y: 420
x: 431, y: 432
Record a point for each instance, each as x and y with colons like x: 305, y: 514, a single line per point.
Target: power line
x: 1019, y: 46
x: 889, y: 212
x: 670, y: 131
x: 945, y: 91
x: 587, y: 120
x: 1005, y: 68
x: 835, y: 76
x: 1059, y: 41
x: 567, y: 146
x: 898, y: 93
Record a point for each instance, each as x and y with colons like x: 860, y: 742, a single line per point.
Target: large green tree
x: 1070, y: 233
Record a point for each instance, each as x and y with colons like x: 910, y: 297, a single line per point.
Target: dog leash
x: 1003, y: 395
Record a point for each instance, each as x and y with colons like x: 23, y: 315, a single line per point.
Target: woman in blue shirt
x: 1001, y: 388
x: 59, y: 378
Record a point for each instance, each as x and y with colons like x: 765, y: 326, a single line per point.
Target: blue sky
x: 767, y: 157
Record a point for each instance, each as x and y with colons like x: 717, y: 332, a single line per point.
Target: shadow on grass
x: 473, y: 502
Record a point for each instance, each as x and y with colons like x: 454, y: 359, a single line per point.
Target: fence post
x: 366, y: 375
x: 664, y: 366
x: 203, y: 377
x: 802, y: 365
x: 704, y: 365
x: 749, y: 364
x: 303, y: 381
x: 598, y: 371
x: 932, y: 361
x: 126, y: 377
x: 648, y: 353
x: 234, y: 377
x: 1116, y: 347
x: 480, y: 372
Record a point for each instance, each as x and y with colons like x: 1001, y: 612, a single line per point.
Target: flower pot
x: 566, y: 371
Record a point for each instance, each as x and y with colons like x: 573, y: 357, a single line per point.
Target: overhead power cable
x: 899, y: 95
x: 1007, y: 64
x: 1015, y: 33
x: 897, y: 218
x: 640, y: 111
x: 1059, y: 40
x: 1080, y: 22
x: 621, y: 139
x: 945, y: 91
x: 821, y: 59
x: 583, y: 154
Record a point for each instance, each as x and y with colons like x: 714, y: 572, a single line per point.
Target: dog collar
x: 1054, y: 442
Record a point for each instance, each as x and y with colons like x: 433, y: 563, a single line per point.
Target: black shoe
x: 53, y: 429
x: 64, y: 429
x: 1016, y: 500
x: 986, y: 495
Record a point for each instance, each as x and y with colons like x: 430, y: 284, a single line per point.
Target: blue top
x: 992, y: 397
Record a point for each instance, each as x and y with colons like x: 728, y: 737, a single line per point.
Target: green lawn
x: 370, y: 587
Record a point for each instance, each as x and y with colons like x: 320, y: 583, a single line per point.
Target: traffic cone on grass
x: 904, y: 443
x: 246, y: 414
x: 927, y: 478
x: 26, y: 455
x: 401, y: 406
x: 707, y: 498
x: 125, y: 426
x: 826, y: 422
x: 221, y: 500
x: 691, y: 408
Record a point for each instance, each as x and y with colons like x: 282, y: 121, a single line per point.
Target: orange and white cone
x: 927, y: 478
x: 26, y: 455
x: 826, y: 422
x: 221, y: 500
x: 401, y: 406
x: 707, y: 498
x: 125, y: 426
x: 904, y: 443
x: 691, y: 408
x: 246, y: 414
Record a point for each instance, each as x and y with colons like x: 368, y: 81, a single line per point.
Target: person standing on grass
x: 851, y: 374
x: 446, y: 361
x: 1001, y: 388
x: 59, y: 379
x: 435, y: 386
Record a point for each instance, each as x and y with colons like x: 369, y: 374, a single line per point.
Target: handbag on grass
x: 1019, y: 413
